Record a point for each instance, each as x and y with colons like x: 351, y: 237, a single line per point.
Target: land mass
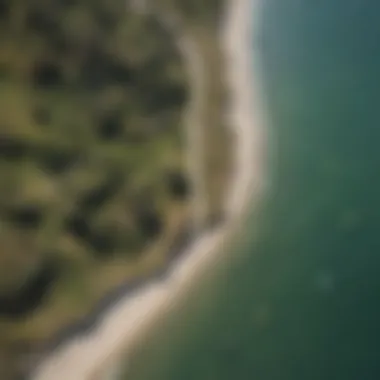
x: 97, y: 185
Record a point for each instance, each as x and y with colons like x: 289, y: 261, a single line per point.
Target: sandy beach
x: 91, y: 356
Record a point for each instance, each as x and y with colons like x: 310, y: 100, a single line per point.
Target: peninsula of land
x: 130, y: 152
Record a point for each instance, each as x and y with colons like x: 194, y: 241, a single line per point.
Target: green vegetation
x: 93, y: 185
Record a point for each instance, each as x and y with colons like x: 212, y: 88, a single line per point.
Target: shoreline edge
x: 123, y: 325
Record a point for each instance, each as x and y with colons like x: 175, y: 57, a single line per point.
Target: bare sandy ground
x: 126, y: 322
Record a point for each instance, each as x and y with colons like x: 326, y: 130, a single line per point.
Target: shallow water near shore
x: 298, y: 298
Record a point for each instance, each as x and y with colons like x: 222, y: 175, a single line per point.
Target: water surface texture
x: 300, y: 300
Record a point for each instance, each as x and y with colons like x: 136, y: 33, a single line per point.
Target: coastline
x: 131, y: 317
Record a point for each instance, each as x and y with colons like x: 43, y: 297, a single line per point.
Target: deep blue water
x: 299, y: 298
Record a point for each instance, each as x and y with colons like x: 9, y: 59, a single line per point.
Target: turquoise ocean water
x: 298, y: 299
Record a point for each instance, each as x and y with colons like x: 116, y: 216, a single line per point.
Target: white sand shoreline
x: 125, y: 322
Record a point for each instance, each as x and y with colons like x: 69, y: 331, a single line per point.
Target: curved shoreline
x: 132, y: 315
